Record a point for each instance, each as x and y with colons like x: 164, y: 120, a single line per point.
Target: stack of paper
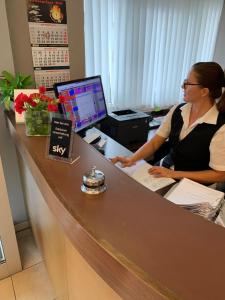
x: 196, y: 197
x: 139, y: 172
x: 220, y: 220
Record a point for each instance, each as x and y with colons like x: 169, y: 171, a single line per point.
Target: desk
x: 127, y: 243
x: 111, y: 147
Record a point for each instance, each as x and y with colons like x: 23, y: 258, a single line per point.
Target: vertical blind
x: 144, y: 49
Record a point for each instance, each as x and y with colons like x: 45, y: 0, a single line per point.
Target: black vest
x: 192, y: 153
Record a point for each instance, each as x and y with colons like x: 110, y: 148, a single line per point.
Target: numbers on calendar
x: 50, y: 56
x: 48, y: 78
x: 48, y: 34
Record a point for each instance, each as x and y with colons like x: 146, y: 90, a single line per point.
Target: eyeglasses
x: 185, y: 83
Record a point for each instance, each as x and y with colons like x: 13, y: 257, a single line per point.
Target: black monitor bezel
x: 55, y: 85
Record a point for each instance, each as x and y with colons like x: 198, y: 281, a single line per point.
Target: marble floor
x: 33, y: 282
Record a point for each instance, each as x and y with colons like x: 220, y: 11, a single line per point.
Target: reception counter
x: 127, y: 243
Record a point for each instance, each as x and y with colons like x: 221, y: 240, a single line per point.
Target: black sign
x: 60, y: 138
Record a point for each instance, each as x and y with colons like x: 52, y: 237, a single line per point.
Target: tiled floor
x: 29, y: 253
x: 33, y: 282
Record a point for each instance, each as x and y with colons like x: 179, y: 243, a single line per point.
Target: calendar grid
x: 47, y: 21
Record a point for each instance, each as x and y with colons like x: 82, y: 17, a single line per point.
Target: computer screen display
x: 84, y: 101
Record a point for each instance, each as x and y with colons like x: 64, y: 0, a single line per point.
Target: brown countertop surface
x: 143, y: 246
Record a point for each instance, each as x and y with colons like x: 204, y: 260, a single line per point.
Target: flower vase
x: 37, y: 123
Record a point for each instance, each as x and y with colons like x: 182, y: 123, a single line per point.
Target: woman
x: 195, y: 130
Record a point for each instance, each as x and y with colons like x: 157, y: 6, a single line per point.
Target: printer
x: 127, y: 126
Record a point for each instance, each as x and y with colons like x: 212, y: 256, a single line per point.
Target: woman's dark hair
x: 211, y: 76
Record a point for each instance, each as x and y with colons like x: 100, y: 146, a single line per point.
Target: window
x: 143, y: 49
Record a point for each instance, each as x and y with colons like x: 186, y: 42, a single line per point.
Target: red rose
x: 19, y: 102
x: 29, y: 100
x: 20, y: 110
x: 62, y: 99
x: 42, y: 89
x: 52, y: 107
x: 35, y: 96
x: 33, y: 103
x: 21, y: 98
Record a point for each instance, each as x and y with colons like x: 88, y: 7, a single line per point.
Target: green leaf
x: 24, y: 77
x: 27, y: 81
x: 3, y: 84
x: 11, y: 82
x: 6, y: 102
x: 8, y: 76
x: 2, y: 99
x: 16, y: 81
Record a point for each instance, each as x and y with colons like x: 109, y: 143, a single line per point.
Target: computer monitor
x: 84, y: 101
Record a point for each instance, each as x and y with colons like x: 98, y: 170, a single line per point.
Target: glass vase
x: 37, y: 123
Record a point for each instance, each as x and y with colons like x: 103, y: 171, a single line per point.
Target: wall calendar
x: 49, y: 77
x: 50, y: 57
x: 47, y: 22
x: 48, y: 34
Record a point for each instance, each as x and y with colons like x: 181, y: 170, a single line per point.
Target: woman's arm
x: 145, y: 151
x: 207, y: 176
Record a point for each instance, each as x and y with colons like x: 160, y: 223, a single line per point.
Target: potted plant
x: 37, y: 107
x: 8, y: 83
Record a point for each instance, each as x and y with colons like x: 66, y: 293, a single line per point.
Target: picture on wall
x: 47, y: 11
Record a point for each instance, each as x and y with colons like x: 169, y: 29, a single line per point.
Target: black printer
x: 127, y: 126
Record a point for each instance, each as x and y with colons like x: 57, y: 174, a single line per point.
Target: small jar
x: 93, y: 182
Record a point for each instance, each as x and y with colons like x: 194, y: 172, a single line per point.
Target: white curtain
x: 143, y: 49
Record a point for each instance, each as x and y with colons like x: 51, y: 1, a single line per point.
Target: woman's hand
x: 161, y: 172
x: 125, y: 161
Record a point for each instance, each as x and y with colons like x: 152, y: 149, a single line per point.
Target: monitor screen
x: 84, y: 101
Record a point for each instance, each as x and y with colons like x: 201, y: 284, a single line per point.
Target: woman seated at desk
x: 195, y: 130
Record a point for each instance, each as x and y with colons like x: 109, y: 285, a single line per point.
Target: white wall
x: 6, y: 58
x: 7, y: 148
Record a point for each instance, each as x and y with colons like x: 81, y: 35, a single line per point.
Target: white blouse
x: 217, y: 145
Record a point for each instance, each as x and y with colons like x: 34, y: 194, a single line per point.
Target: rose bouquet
x: 37, y: 102
x: 37, y: 107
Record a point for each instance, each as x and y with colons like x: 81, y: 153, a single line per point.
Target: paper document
x: 221, y: 217
x: 139, y: 172
x: 188, y: 192
x: 220, y: 221
x: 197, y: 198
x: 130, y: 170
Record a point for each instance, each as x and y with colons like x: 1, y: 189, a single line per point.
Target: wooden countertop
x: 143, y: 246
